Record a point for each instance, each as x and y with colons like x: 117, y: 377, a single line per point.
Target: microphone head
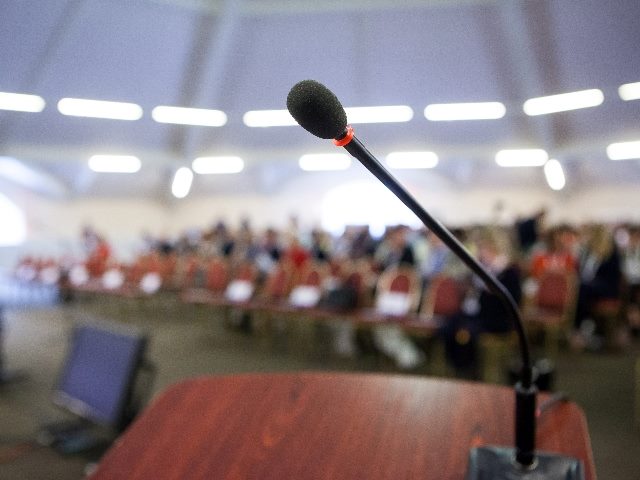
x: 317, y: 109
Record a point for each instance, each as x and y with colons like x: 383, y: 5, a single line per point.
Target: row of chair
x: 349, y: 291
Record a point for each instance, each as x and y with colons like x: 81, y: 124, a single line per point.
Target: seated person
x: 483, y: 312
x: 600, y: 277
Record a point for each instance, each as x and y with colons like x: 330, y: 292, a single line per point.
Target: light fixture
x: 79, y: 107
x: 624, y: 150
x: 21, y: 102
x: 554, y: 174
x: 445, y: 112
x: 182, y: 182
x: 388, y: 114
x: 324, y: 161
x: 268, y: 118
x: 114, y: 163
x: 563, y: 102
x: 217, y: 165
x: 629, y: 91
x: 522, y: 158
x: 189, y: 116
x: 411, y: 160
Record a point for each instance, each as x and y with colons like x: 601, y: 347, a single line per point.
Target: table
x: 328, y: 425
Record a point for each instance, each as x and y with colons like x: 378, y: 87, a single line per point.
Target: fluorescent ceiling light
x: 324, y: 161
x: 20, y: 102
x: 78, y: 107
x: 563, y: 102
x: 554, y: 174
x: 182, y: 181
x: 268, y: 118
x: 624, y: 150
x: 217, y: 165
x: 445, y: 112
x: 189, y: 116
x: 114, y: 163
x: 522, y: 158
x: 407, y: 160
x: 629, y: 91
x: 389, y: 114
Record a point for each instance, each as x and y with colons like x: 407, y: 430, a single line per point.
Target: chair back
x: 278, y: 282
x: 312, y: 275
x: 398, y: 287
x: 168, y: 268
x: 357, y: 283
x: 184, y: 271
x: 443, y: 297
x: 246, y: 271
x: 556, y: 291
x: 217, y: 275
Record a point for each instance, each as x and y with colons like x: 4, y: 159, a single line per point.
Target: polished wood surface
x: 322, y: 425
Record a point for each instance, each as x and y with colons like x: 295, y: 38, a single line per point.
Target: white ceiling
x: 245, y: 55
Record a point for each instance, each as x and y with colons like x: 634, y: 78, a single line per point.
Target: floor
x: 187, y: 342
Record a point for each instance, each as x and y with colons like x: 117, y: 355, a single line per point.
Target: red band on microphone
x: 346, y: 139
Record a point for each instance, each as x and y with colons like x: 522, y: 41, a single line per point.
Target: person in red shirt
x: 559, y: 254
x: 296, y: 253
x: 98, y: 252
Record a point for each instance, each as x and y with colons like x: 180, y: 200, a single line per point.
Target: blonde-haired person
x: 600, y: 277
x: 483, y: 311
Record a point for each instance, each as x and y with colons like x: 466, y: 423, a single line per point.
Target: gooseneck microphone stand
x: 319, y: 111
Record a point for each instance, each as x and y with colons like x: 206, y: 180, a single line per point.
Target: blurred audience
x: 606, y: 271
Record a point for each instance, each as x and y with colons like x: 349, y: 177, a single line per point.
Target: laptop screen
x: 98, y: 373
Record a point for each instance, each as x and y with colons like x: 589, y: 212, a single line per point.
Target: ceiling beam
x: 218, y: 61
x: 202, y: 82
x: 192, y: 74
x: 532, y: 59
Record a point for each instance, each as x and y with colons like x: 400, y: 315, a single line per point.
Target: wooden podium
x: 326, y: 425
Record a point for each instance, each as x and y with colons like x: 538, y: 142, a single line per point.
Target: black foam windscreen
x: 317, y: 109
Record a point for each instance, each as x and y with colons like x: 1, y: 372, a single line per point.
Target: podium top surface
x: 328, y: 425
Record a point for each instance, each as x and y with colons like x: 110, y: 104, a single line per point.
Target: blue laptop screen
x: 98, y: 373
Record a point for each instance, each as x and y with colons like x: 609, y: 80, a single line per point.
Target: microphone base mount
x: 499, y: 463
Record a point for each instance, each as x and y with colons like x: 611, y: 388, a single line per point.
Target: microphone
x: 318, y: 110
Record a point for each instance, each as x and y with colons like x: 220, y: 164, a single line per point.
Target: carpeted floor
x: 187, y: 342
